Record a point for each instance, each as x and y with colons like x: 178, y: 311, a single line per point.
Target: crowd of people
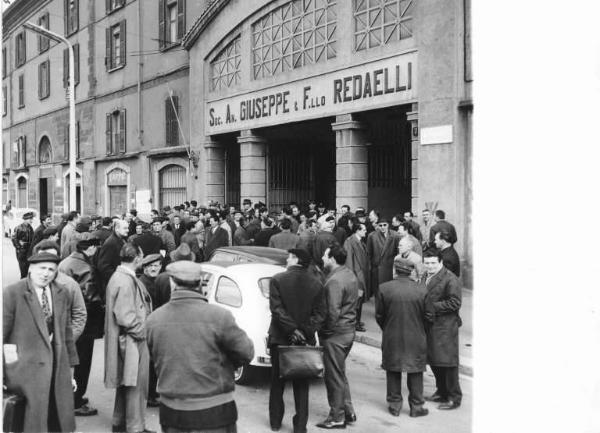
x: 138, y: 284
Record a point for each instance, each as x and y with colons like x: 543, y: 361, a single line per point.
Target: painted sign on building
x: 378, y: 84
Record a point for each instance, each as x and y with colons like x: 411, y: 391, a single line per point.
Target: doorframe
x: 107, y: 170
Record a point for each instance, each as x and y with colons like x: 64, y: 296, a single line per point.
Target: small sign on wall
x: 436, y: 134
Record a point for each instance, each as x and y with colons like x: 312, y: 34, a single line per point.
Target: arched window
x: 172, y: 185
x: 22, y: 192
x: 45, y: 151
x: 225, y: 68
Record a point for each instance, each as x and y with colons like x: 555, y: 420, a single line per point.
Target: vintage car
x: 243, y: 289
x: 249, y: 254
x: 14, y: 217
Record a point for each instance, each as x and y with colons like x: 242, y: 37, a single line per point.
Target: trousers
x: 335, y: 351
x: 231, y: 428
x: 446, y: 382
x: 85, y: 350
x: 414, y: 382
x: 276, y: 404
x: 130, y: 401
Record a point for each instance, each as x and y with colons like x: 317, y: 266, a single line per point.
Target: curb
x: 369, y: 341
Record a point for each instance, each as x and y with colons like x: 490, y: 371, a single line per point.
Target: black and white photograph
x: 205, y: 202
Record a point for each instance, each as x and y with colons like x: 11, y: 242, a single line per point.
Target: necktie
x: 47, y: 312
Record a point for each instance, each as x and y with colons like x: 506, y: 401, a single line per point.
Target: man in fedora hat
x: 195, y: 363
x: 39, y: 350
x: 21, y: 239
x: 78, y: 265
x: 400, y: 312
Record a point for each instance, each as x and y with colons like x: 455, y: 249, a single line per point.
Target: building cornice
x: 202, y: 23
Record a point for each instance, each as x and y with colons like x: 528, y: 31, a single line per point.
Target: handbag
x: 300, y: 362
x: 13, y: 412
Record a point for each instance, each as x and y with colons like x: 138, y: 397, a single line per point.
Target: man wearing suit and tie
x: 382, y: 247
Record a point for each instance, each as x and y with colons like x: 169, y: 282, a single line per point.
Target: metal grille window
x: 380, y: 22
x: 299, y: 33
x: 171, y: 126
x: 20, y: 49
x: 66, y: 65
x: 71, y: 16
x: 172, y: 185
x: 115, y: 132
x: 21, y: 99
x: 45, y: 151
x: 43, y: 41
x: 225, y: 68
x: 171, y: 22
x: 116, y: 46
x: 44, y: 79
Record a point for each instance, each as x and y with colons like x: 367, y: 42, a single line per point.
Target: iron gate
x: 172, y: 185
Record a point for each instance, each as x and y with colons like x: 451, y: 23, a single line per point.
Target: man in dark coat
x: 285, y: 240
x: 178, y: 229
x: 22, y: 238
x: 262, y: 238
x: 78, y: 265
x: 382, y: 247
x: 449, y: 254
x: 149, y: 241
x: 195, y: 363
x: 358, y: 262
x: 442, y: 305
x: 240, y: 235
x: 162, y: 284
x: 38, y: 233
x: 324, y: 239
x: 104, y: 232
x: 442, y: 225
x: 216, y: 236
x: 400, y: 313
x: 108, y: 256
x: 298, y: 307
x: 39, y: 350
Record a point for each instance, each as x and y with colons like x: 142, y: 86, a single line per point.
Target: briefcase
x: 300, y: 362
x: 13, y: 410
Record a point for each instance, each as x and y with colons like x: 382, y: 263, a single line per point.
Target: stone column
x: 215, y: 170
x: 413, y: 118
x: 253, y: 166
x: 352, y: 163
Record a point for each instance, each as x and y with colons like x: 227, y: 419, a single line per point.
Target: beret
x: 44, y: 257
x: 151, y: 258
x: 27, y: 215
x: 185, y: 271
x: 403, y: 266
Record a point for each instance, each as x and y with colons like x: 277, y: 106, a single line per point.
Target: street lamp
x: 72, y: 161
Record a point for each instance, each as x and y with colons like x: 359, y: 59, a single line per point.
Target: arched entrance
x: 21, y: 192
x: 172, y: 188
x: 45, y: 180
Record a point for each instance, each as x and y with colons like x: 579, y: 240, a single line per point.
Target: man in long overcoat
x: 400, y: 313
x: 21, y: 240
x: 442, y: 305
x: 382, y: 245
x: 36, y: 325
x: 126, y: 360
x: 358, y: 262
x: 108, y: 255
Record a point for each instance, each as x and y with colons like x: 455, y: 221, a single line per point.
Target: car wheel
x: 243, y: 375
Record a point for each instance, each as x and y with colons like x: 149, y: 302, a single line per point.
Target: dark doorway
x: 232, y: 169
x: 44, y: 196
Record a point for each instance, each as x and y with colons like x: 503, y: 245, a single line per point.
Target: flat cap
x: 28, y: 215
x: 183, y: 252
x: 44, y: 257
x: 330, y: 218
x: 86, y: 243
x: 185, y: 271
x: 360, y: 213
x: 151, y: 258
x: 403, y: 266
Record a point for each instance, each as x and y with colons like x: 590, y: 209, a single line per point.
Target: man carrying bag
x: 298, y: 308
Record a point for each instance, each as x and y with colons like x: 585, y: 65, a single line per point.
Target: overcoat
x: 382, y: 251
x: 108, y: 257
x: 127, y: 306
x: 400, y: 313
x: 358, y: 262
x: 31, y: 375
x: 443, y: 300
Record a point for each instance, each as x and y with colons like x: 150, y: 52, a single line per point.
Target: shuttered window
x: 20, y: 49
x: 172, y: 185
x: 4, y: 101
x: 71, y: 16
x: 4, y: 67
x: 171, y: 126
x: 21, y: 99
x: 116, y: 43
x: 115, y: 132
x: 66, y: 65
x: 19, y: 151
x: 44, y: 79
x: 171, y: 22
x: 43, y: 41
x: 113, y: 5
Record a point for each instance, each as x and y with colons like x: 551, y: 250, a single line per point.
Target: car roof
x: 245, y: 270
x: 275, y: 255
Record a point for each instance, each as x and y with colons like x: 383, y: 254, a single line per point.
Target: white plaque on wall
x: 142, y: 199
x: 436, y: 134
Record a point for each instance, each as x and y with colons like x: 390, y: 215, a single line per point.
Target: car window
x: 263, y: 283
x: 244, y: 259
x: 228, y: 293
x: 221, y: 256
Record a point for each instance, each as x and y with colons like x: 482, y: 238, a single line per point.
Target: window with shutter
x: 66, y: 65
x: 116, y: 46
x: 20, y: 49
x: 171, y: 126
x: 109, y: 146
x: 44, y: 79
x: 21, y: 102
x: 123, y: 43
x: 113, y: 5
x: 4, y: 101
x: 180, y: 19
x: 161, y: 24
x: 76, y: 56
x: 4, y: 68
x: 44, y: 42
x: 122, y: 131
x: 71, y: 16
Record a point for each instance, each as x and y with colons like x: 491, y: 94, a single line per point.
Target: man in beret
x: 39, y: 350
x: 21, y: 239
x: 78, y: 265
x: 400, y: 313
x: 195, y: 363
x: 151, y: 266
x: 297, y: 304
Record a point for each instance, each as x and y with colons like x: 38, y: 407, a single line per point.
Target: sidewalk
x: 372, y: 336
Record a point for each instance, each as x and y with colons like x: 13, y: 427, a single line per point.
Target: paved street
x: 367, y: 382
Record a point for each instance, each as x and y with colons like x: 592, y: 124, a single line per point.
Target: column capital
x: 248, y: 136
x: 346, y: 121
x: 209, y: 143
x: 412, y: 116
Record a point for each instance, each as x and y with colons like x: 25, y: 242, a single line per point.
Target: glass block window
x: 380, y: 22
x: 225, y: 68
x: 297, y: 34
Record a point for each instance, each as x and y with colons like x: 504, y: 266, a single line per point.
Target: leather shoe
x: 331, y: 424
x: 119, y: 428
x: 350, y: 418
x: 275, y: 428
x: 449, y: 405
x: 360, y: 328
x: 86, y: 410
x: 394, y: 411
x: 418, y: 412
x: 436, y: 398
x: 153, y: 403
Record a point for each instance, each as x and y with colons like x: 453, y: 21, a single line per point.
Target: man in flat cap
x: 297, y: 303
x: 400, y: 313
x: 39, y: 350
x: 382, y: 247
x: 195, y: 363
x: 21, y: 239
x: 78, y: 265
